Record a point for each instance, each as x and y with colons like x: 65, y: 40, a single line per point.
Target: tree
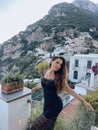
x: 42, y: 67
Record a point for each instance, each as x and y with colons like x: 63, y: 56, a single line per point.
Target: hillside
x: 65, y: 29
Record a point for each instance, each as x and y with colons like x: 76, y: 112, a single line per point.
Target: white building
x: 81, y: 67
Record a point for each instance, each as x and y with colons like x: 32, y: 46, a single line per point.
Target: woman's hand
x: 38, y: 86
x: 79, y: 97
x: 34, y: 89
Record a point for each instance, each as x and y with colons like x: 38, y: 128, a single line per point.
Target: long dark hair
x: 60, y: 75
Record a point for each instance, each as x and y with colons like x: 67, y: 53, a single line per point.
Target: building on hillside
x: 80, y: 67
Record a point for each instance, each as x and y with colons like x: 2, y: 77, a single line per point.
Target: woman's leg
x: 49, y: 125
x: 39, y: 123
x: 52, y: 124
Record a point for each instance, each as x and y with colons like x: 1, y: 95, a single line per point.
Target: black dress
x: 52, y: 107
x: 52, y: 102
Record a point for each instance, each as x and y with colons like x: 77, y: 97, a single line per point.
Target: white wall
x: 15, y: 114
x: 82, y: 69
x: 3, y: 115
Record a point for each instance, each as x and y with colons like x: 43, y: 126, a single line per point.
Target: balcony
x: 73, y: 116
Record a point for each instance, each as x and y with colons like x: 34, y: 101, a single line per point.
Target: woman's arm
x: 74, y: 94
x: 37, y: 87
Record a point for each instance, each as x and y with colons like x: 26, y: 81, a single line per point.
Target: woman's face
x: 56, y: 64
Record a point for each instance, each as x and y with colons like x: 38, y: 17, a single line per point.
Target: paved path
x: 69, y: 109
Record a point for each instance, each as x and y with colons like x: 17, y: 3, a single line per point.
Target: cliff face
x: 85, y: 4
x: 63, y: 21
x: 56, y: 23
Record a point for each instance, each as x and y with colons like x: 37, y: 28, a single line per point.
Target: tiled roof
x: 69, y: 109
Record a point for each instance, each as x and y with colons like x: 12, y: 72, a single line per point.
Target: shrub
x: 13, y: 79
x: 82, y: 119
x: 92, y: 98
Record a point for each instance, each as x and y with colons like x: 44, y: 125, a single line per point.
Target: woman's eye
x: 59, y: 63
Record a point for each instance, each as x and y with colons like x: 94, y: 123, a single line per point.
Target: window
x: 76, y: 63
x: 89, y: 64
x: 75, y: 75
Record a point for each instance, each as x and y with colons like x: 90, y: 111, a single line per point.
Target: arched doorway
x: 88, y: 75
x: 75, y: 75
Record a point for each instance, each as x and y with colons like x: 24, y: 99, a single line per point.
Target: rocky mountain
x: 67, y: 28
x: 85, y: 4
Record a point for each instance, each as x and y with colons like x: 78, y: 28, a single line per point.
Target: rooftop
x: 84, y: 55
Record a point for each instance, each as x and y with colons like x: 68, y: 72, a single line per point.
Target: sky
x: 16, y: 15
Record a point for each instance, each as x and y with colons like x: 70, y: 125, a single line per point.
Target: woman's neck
x: 51, y: 71
x: 50, y: 74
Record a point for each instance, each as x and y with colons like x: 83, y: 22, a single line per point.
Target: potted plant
x: 12, y: 83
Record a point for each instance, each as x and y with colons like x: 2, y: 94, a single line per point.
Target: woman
x: 53, y: 83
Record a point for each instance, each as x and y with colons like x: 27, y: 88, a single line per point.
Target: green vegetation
x: 81, y: 119
x: 74, y: 18
x: 42, y: 67
x: 13, y: 79
x: 25, y: 65
x: 62, y: 20
x: 92, y: 98
x: 36, y: 95
x: 35, y: 112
